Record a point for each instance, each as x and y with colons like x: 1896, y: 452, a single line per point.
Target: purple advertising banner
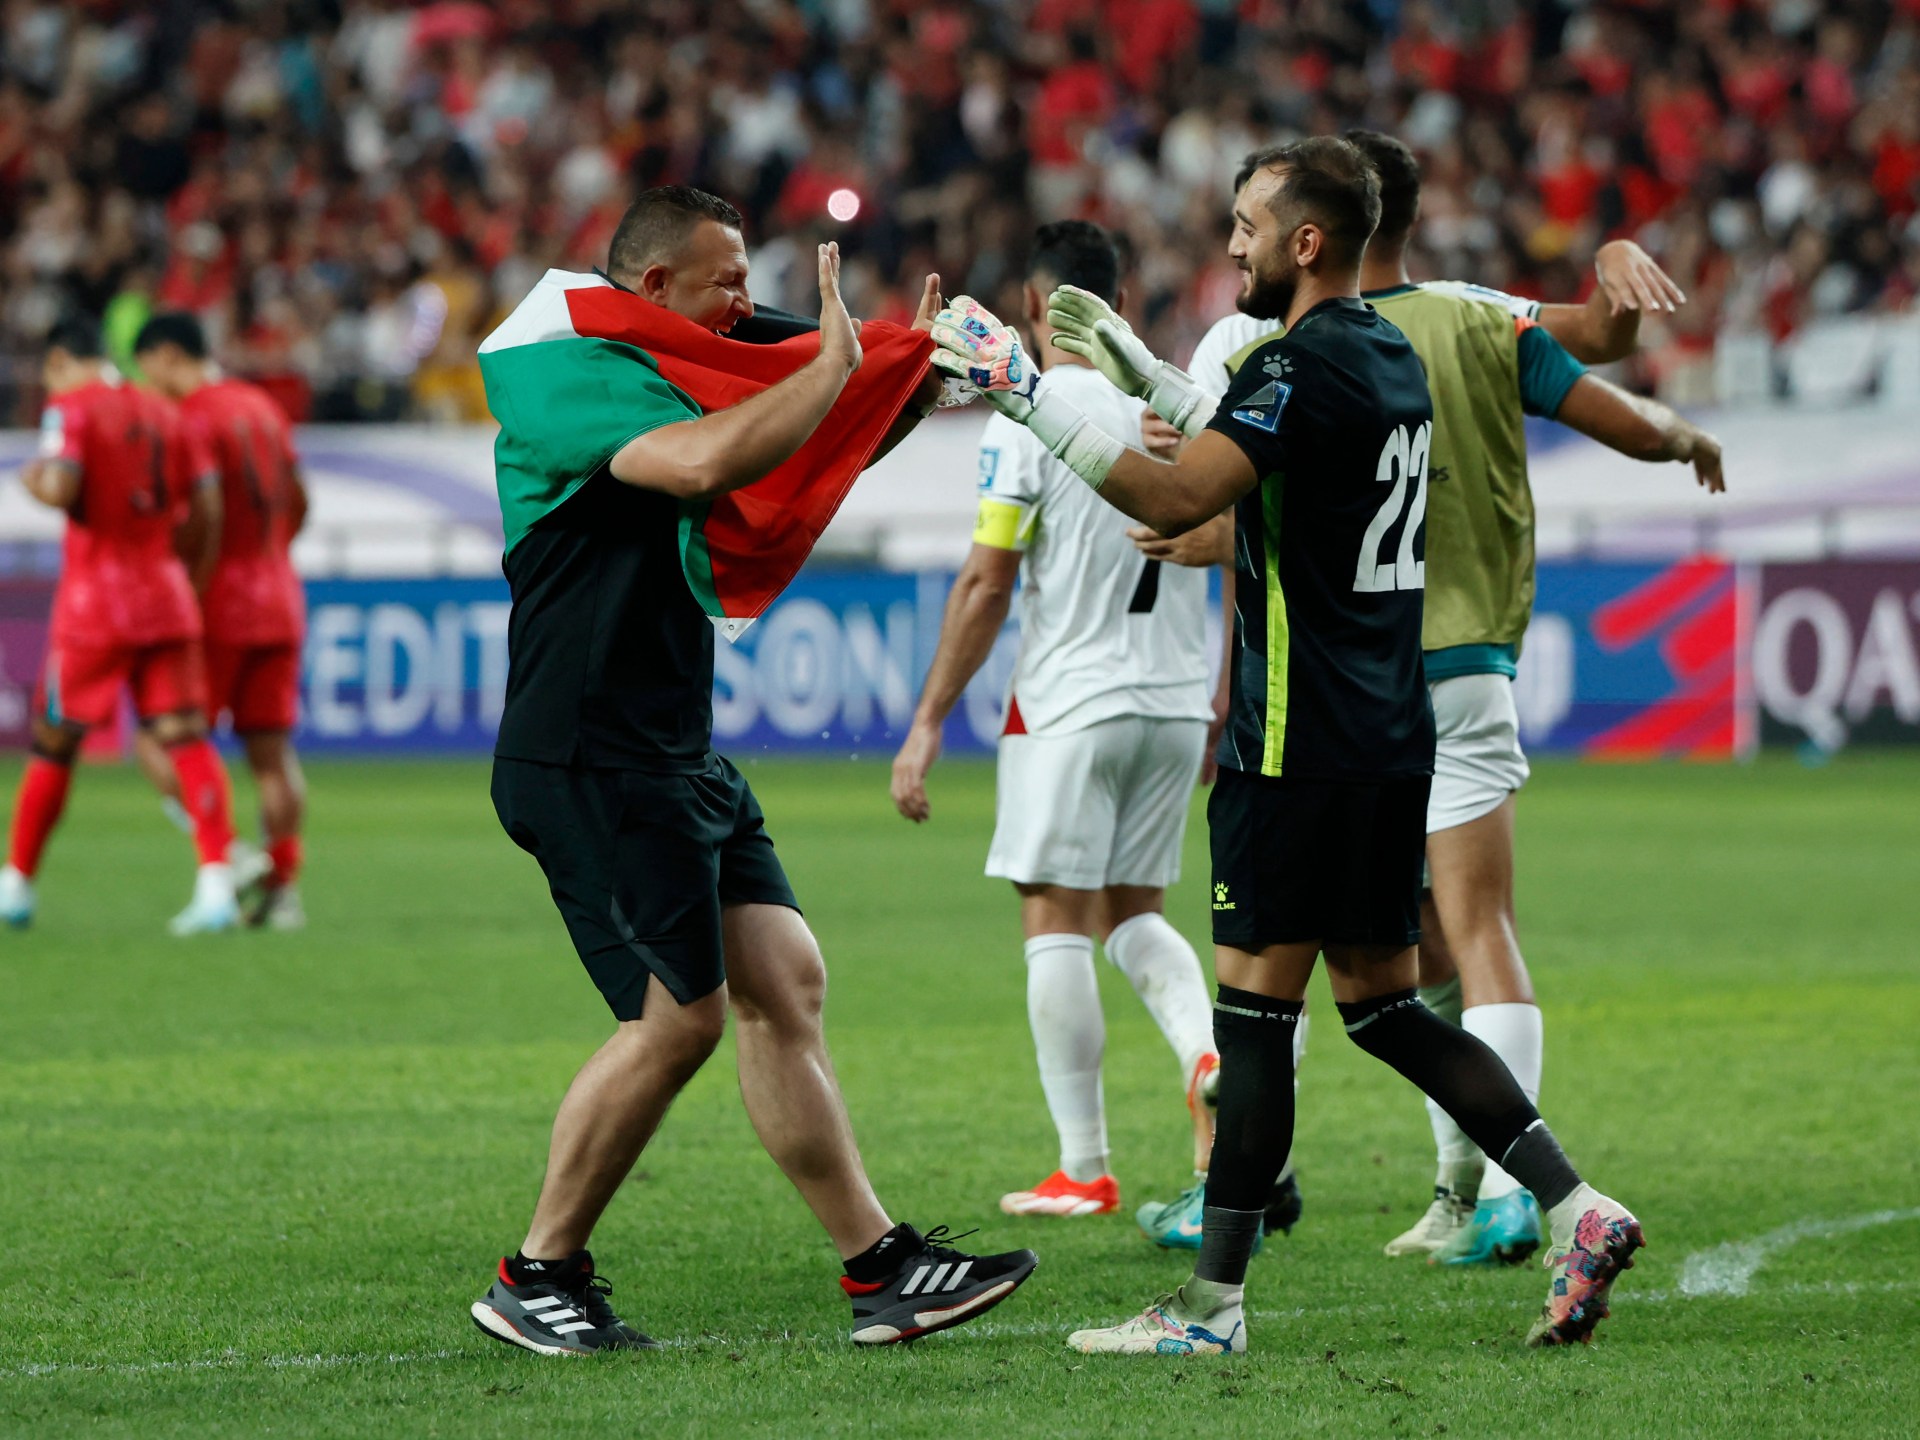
x: 1836, y: 653
x: 24, y: 608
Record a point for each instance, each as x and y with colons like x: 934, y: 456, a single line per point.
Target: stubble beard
x: 1269, y: 297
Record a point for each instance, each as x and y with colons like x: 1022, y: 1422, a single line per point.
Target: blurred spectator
x: 349, y: 192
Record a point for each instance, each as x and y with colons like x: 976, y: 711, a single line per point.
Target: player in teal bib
x: 1490, y: 362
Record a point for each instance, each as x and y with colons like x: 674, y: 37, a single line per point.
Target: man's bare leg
x: 283, y: 805
x: 612, y: 1109
x: 778, y: 984
x: 1472, y: 866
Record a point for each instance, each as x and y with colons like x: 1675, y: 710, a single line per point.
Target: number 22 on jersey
x: 1403, y: 465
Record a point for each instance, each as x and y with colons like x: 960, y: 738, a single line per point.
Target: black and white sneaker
x: 565, y: 1312
x: 935, y: 1288
x: 1284, y: 1206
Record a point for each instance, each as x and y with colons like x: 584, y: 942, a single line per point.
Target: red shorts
x: 259, y: 685
x: 81, y: 684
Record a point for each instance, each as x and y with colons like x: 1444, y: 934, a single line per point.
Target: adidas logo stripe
x: 941, y: 1279
x: 563, y: 1321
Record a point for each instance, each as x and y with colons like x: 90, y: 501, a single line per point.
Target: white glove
x: 1085, y: 325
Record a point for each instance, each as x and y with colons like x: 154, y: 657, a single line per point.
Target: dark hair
x: 1077, y: 252
x: 1399, y: 174
x: 78, y: 335
x: 1331, y: 182
x: 176, y: 327
x: 658, y: 224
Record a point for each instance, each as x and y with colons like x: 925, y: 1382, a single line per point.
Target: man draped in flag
x: 632, y: 424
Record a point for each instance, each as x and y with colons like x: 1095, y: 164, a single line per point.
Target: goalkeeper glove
x: 1085, y: 325
x: 970, y: 343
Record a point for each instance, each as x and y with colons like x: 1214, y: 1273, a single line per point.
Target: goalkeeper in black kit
x: 1318, y: 819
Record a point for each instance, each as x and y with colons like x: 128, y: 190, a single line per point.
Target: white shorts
x: 1106, y: 805
x: 1478, y: 761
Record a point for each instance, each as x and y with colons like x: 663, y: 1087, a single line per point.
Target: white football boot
x: 16, y: 898
x: 1170, y: 1326
x: 213, y: 907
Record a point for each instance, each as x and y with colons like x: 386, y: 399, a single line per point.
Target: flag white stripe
x: 543, y: 314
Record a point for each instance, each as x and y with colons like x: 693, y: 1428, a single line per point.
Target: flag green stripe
x: 565, y: 406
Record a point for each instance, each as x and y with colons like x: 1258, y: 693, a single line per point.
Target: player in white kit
x: 1106, y: 726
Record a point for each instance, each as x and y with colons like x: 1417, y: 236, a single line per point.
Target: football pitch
x: 253, y: 1182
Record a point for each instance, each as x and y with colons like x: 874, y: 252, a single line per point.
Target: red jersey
x: 254, y: 597
x: 121, y: 584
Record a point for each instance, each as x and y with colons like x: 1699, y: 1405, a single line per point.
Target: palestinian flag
x: 581, y: 367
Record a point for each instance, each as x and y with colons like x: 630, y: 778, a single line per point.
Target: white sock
x: 1069, y: 1037
x: 1165, y: 973
x: 213, y: 882
x: 1513, y: 1031
x: 1563, y: 1217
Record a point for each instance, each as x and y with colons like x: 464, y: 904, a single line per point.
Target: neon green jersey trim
x: 1277, y: 632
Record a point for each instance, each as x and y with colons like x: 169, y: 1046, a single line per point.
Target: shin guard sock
x: 1469, y: 1082
x: 204, y: 793
x: 1299, y: 1055
x: 285, y: 855
x: 1513, y: 1032
x: 1253, y: 1128
x: 1227, y: 1238
x: 1165, y: 973
x: 36, y: 810
x: 1069, y: 1037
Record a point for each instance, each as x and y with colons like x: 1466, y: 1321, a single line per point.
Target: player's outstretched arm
x: 732, y: 448
x: 1642, y: 428
x: 1607, y: 327
x: 1085, y: 325
x: 1210, y: 476
x: 976, y: 610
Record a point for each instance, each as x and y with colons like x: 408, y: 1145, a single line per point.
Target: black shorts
x: 640, y: 865
x: 1332, y: 861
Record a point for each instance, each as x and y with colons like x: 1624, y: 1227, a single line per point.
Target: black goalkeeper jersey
x: 1330, y: 552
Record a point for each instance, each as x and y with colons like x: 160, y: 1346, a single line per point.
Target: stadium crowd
x: 349, y: 193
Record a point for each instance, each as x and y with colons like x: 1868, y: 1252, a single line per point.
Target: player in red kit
x: 120, y: 462
x: 254, y: 607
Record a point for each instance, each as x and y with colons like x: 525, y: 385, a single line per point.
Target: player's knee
x: 701, y: 1034
x: 179, y: 727
x: 57, y: 743
x: 793, y: 999
x: 690, y: 1034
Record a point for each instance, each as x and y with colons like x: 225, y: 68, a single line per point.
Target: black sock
x: 885, y: 1256
x: 1468, y: 1081
x: 1227, y: 1238
x: 1254, y: 1129
x: 563, y: 1272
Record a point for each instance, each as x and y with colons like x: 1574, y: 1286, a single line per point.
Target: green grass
x: 251, y: 1183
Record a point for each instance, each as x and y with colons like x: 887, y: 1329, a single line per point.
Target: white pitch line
x: 1729, y: 1269
x: 984, y: 1330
